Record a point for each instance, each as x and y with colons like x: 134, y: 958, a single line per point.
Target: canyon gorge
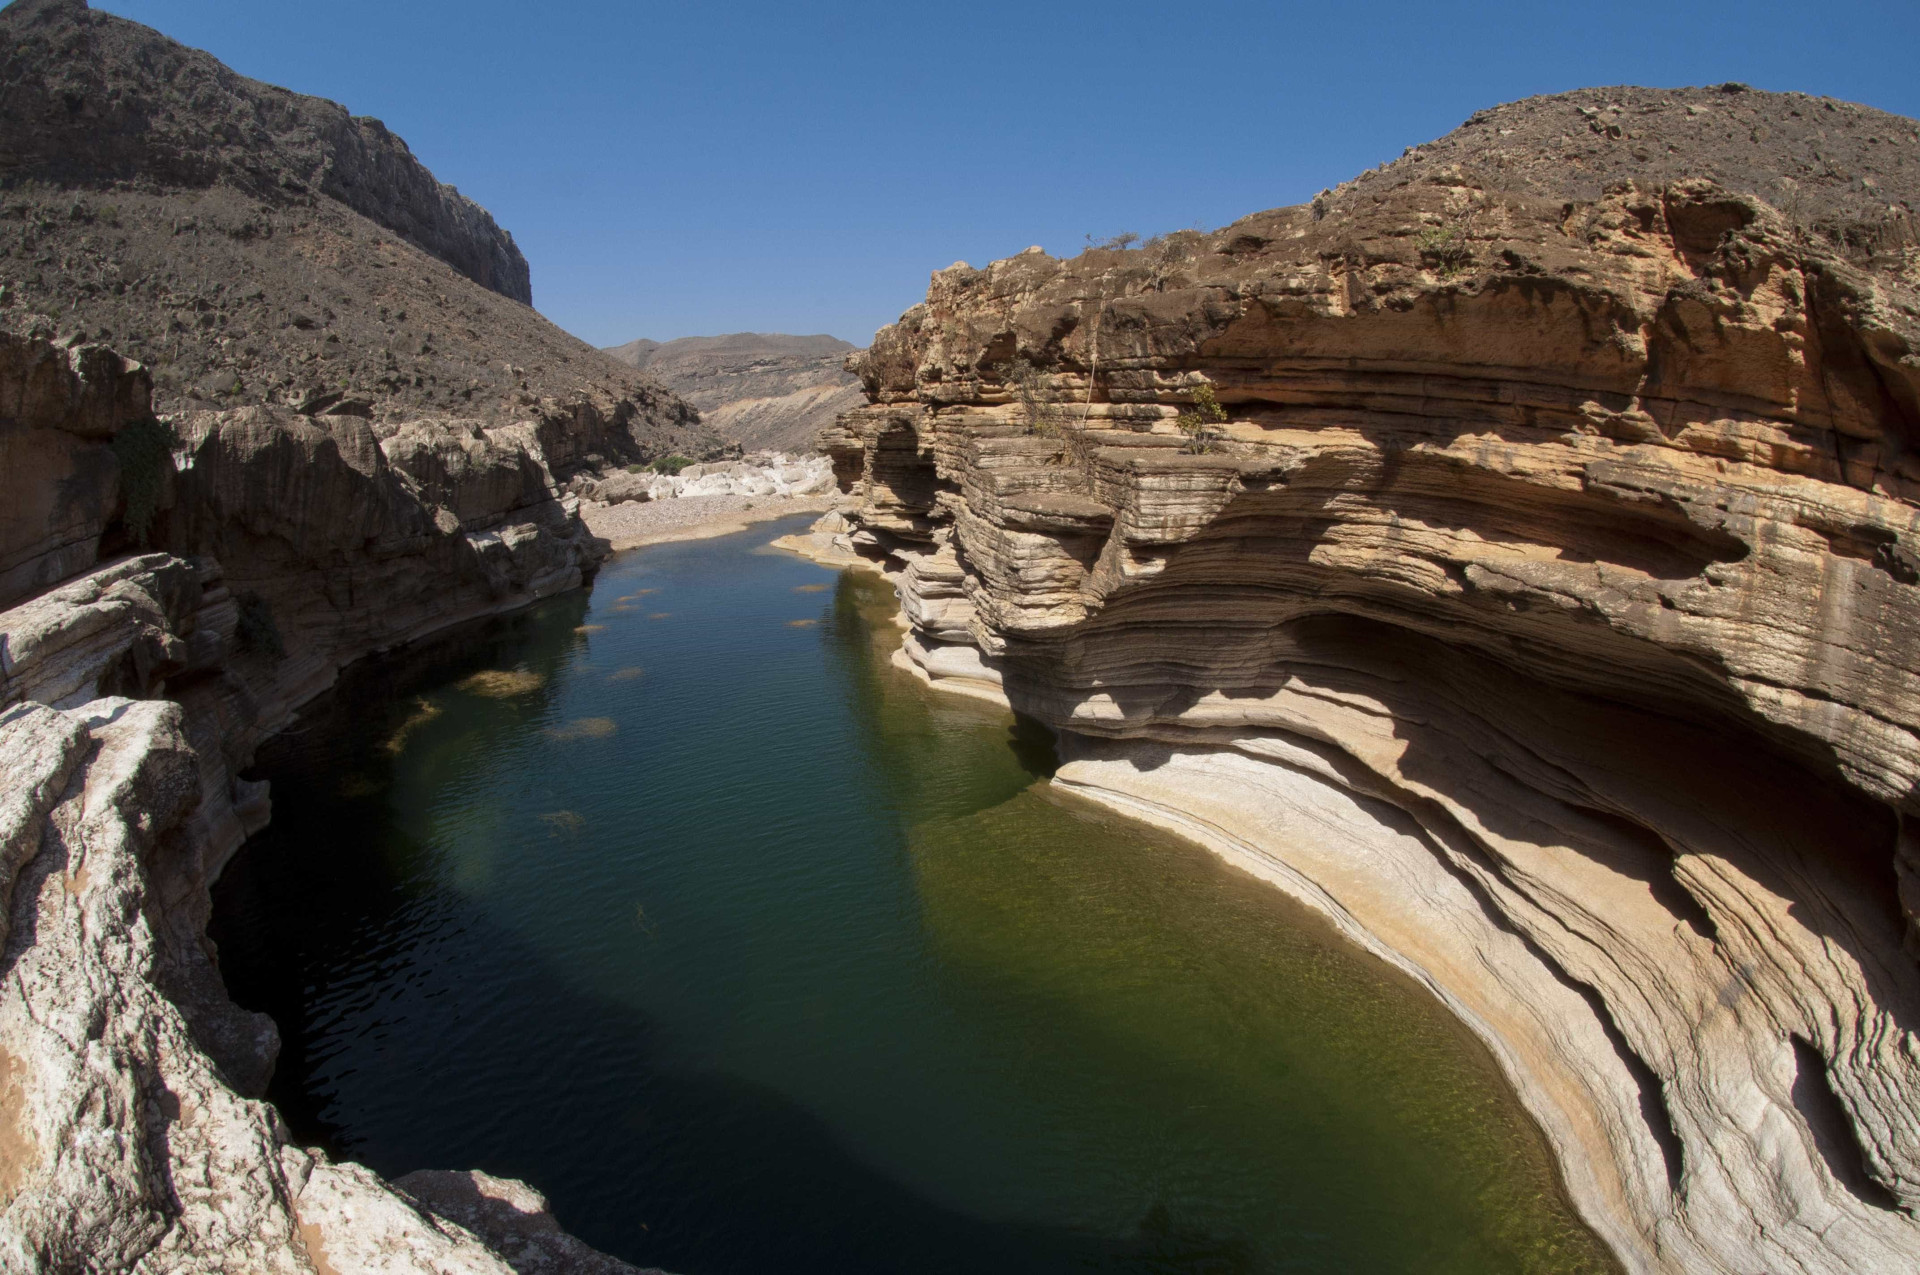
x: 1510, y: 553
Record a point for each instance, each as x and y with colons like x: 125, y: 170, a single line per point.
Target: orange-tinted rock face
x: 1575, y: 535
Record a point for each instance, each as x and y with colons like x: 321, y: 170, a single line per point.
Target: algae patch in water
x: 424, y: 711
x: 626, y: 674
x: 501, y: 683
x: 584, y: 728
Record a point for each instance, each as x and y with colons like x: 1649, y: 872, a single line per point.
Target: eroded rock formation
x: 1544, y: 606
x: 132, y: 694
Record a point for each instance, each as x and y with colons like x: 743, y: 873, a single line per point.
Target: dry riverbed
x: 634, y: 523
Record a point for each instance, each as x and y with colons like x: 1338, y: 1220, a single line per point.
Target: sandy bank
x: 636, y: 523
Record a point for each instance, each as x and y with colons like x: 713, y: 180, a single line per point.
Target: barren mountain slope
x: 1542, y: 601
x: 256, y: 246
x: 766, y: 390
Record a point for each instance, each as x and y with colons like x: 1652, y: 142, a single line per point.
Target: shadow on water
x: 692, y: 1171
x: 788, y: 965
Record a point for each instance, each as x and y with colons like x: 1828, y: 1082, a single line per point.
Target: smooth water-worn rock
x: 1541, y: 604
x: 123, y: 1144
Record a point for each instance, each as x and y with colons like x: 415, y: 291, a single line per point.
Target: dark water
x: 758, y: 957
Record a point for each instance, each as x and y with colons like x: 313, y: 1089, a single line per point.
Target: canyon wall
x: 1542, y: 602
x: 205, y: 584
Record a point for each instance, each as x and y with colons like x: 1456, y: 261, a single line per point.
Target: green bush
x: 256, y: 632
x: 1202, y: 425
x: 145, y: 452
x: 1445, y: 249
x: 636, y: 469
x: 671, y: 465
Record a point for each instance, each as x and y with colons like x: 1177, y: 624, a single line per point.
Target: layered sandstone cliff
x: 1545, y: 607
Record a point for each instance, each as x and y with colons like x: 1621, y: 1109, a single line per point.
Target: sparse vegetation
x: 1203, y: 424
x: 670, y: 465
x: 1039, y: 414
x: 256, y: 632
x: 1445, y: 248
x: 145, y: 452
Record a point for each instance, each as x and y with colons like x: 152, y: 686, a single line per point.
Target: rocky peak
x: 1848, y: 172
x: 96, y: 100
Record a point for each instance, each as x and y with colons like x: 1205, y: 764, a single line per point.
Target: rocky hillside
x: 255, y: 246
x: 1516, y: 553
x: 765, y: 390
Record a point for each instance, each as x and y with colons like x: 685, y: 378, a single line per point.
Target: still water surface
x: 756, y: 956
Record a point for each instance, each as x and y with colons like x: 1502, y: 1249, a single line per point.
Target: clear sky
x: 705, y: 167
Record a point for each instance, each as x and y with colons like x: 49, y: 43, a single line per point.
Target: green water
x: 757, y: 956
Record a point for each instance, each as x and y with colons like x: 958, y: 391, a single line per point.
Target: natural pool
x: 757, y: 956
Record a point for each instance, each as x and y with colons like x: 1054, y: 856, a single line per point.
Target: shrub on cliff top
x: 1202, y: 424
x: 1039, y: 415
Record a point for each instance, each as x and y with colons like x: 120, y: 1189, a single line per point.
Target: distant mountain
x: 768, y: 390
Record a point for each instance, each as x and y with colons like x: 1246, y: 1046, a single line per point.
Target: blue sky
x: 688, y: 169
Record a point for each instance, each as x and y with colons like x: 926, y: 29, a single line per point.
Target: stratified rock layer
x: 1546, y: 608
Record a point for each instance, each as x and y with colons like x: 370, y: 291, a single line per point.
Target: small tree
x: 1040, y: 415
x: 1204, y: 424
